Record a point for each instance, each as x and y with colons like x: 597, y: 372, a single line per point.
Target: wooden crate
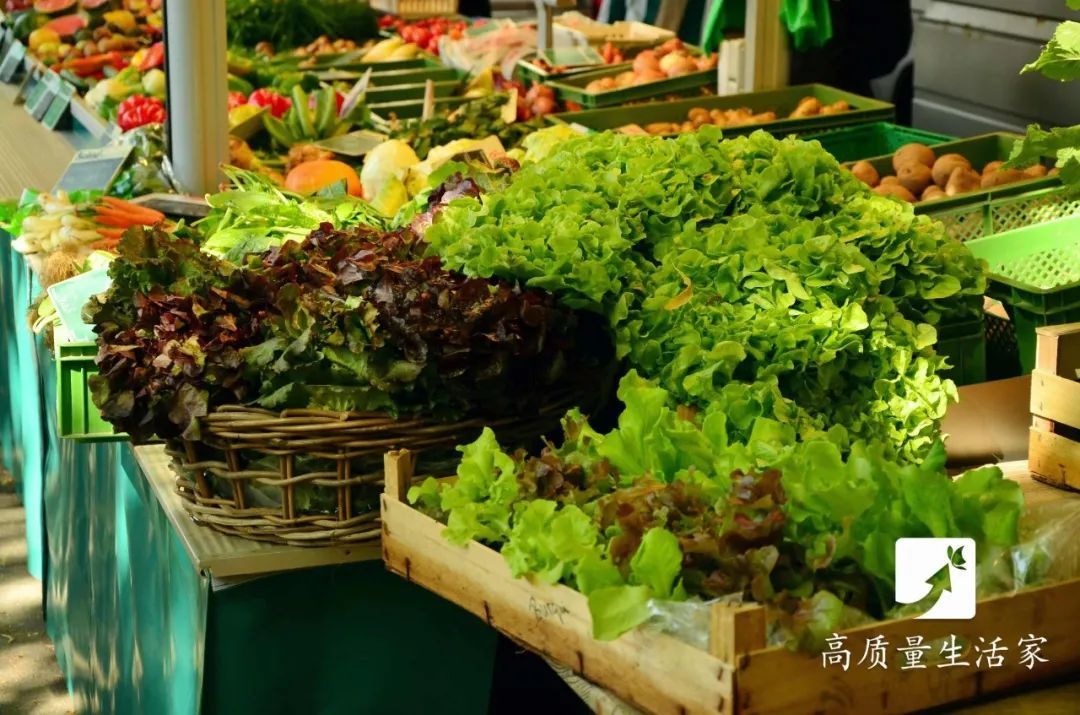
x: 739, y: 674
x: 1053, y: 451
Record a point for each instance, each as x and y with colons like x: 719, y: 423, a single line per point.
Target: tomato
x: 422, y: 36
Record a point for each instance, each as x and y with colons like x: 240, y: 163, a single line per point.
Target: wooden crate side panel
x: 1055, y: 398
x: 780, y: 681
x: 1054, y: 459
x: 1058, y: 349
x: 647, y: 669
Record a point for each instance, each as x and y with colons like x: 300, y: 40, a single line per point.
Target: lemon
x: 43, y: 36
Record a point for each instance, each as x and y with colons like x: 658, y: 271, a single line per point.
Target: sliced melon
x: 53, y: 7
x: 67, y: 25
x: 93, y: 4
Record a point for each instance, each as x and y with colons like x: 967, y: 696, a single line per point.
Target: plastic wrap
x: 1048, y: 551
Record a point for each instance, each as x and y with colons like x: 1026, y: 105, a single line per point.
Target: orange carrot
x: 113, y: 221
x: 113, y: 233
x: 133, y: 209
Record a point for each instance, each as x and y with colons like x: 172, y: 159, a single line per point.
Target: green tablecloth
x: 138, y: 629
x: 23, y: 438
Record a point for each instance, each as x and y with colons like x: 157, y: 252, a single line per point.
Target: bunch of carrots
x: 116, y: 216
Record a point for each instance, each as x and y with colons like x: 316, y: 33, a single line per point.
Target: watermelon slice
x: 93, y: 4
x: 53, y: 7
x: 67, y: 25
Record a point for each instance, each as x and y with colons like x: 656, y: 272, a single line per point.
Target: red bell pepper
x: 137, y: 110
x: 155, y: 57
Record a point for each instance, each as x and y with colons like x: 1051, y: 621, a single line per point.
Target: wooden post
x: 768, y: 58
x: 398, y: 467
x: 735, y: 630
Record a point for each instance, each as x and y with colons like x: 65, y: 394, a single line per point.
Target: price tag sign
x: 94, y: 169
x: 6, y: 39
x: 42, y: 95
x: 28, y: 81
x: 58, y: 108
x: 13, y: 59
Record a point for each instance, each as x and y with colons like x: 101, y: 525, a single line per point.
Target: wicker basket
x: 311, y: 477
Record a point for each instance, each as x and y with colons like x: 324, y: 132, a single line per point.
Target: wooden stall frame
x: 739, y: 674
x: 1054, y: 457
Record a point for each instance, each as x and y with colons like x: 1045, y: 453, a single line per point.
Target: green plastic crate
x: 1035, y: 273
x: 1002, y: 353
x: 572, y: 88
x: 964, y: 344
x: 993, y: 216
x: 980, y: 150
x: 413, y: 108
x: 875, y: 139
x: 77, y: 416
x: 402, y: 92
x: 782, y: 101
x: 352, y: 61
x: 413, y: 76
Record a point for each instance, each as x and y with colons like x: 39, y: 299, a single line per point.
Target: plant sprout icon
x: 955, y: 561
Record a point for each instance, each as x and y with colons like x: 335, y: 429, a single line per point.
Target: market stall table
x: 31, y: 156
x: 152, y: 613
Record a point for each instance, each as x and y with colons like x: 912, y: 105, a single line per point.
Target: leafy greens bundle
x: 356, y: 320
x: 753, y: 272
x: 673, y: 504
x: 255, y: 215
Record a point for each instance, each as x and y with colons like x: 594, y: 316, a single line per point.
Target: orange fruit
x: 309, y: 177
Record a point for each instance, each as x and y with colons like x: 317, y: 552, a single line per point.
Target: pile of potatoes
x: 923, y: 176
x: 699, y: 116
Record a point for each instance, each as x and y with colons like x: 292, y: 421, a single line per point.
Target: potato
x: 885, y: 180
x: 962, y: 181
x: 698, y: 114
x: 865, y: 172
x: 808, y: 107
x: 1001, y: 177
x: 646, y: 60
x: 945, y: 165
x: 763, y: 118
x: 836, y: 108
x: 933, y: 191
x: 1053, y: 172
x: 915, y: 177
x: 1036, y: 171
x: 992, y: 167
x: 913, y: 153
x: 895, y: 190
x: 660, y: 128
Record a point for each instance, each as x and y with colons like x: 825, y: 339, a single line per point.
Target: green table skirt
x: 138, y: 630
x: 24, y: 438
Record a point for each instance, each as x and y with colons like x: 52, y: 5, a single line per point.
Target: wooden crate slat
x: 1051, y: 612
x: 1055, y: 398
x: 1054, y: 459
x: 646, y: 668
